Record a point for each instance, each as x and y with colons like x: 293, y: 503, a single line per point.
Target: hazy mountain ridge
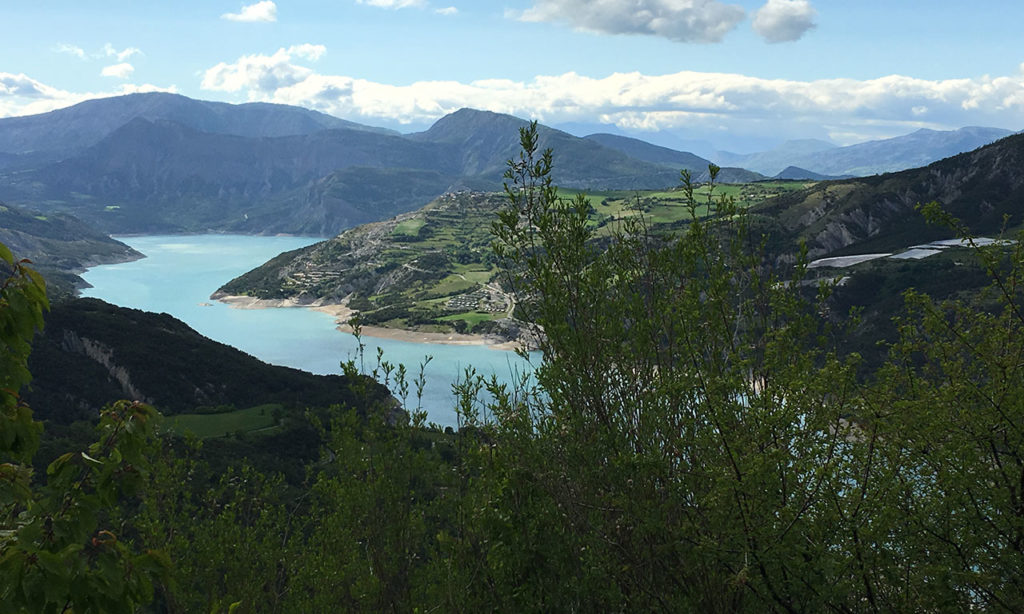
x: 77, y: 127
x: 166, y: 176
x: 671, y: 158
x: 346, y: 198
x: 879, y: 213
x: 872, y: 157
x: 770, y: 161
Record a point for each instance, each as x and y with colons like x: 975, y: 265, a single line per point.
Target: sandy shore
x: 342, y: 314
x: 414, y: 336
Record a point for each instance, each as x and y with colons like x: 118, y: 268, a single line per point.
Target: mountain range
x: 161, y: 162
x: 58, y: 134
x: 983, y: 188
x: 174, y: 168
x: 870, y: 158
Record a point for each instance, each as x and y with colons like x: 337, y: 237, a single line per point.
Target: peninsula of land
x: 342, y: 314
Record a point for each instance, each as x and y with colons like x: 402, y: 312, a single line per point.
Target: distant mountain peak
x: 797, y: 173
x: 466, y: 123
x: 70, y: 130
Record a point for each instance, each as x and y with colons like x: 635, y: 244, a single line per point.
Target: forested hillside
x: 91, y: 353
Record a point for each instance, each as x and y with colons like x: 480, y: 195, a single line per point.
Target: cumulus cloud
x: 885, y: 106
x: 119, y: 71
x: 265, y: 10
x: 23, y: 95
x: 22, y: 86
x: 448, y: 10
x: 392, y: 4
x: 781, y: 21
x: 684, y: 21
x: 263, y: 73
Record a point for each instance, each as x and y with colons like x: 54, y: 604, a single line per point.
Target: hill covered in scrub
x: 434, y: 269
x: 983, y: 188
x: 59, y: 245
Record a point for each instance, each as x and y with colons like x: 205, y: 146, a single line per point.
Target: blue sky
x: 708, y: 69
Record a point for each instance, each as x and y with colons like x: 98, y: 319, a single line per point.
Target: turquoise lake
x: 180, y: 273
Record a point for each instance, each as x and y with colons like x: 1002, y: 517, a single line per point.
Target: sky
x: 739, y: 74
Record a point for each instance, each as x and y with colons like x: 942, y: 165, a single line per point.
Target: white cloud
x: 120, y: 71
x: 23, y: 95
x: 121, y: 55
x: 781, y: 21
x: 846, y: 109
x: 307, y: 50
x: 262, y: 73
x: 392, y: 4
x: 265, y: 10
x: 448, y: 10
x: 74, y: 50
x: 23, y: 86
x: 107, y: 51
x: 886, y: 106
x: 685, y: 21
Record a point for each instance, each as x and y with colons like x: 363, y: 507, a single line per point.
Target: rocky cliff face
x: 103, y: 355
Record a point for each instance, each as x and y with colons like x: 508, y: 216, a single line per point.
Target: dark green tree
x: 59, y: 551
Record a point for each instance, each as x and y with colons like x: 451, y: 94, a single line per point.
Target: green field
x: 257, y: 418
x: 409, y: 228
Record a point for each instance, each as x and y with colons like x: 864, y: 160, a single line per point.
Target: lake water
x: 181, y: 272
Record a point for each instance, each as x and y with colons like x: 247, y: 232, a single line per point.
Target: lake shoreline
x: 342, y: 314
